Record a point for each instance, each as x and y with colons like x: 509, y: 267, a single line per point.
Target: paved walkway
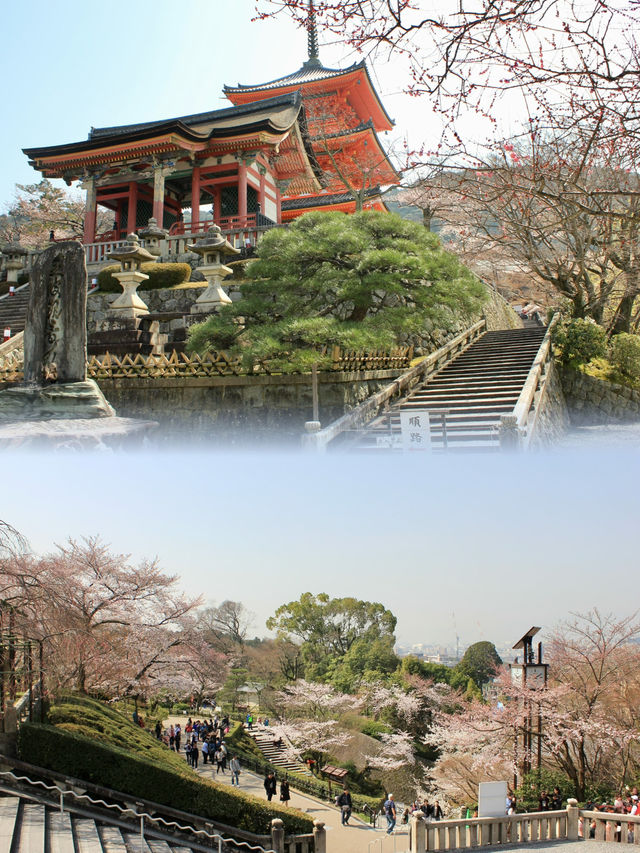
x: 357, y: 837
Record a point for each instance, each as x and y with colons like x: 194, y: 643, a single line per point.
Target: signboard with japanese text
x: 416, y: 429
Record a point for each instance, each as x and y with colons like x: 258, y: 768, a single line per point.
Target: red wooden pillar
x: 132, y: 210
x: 242, y: 192
x: 118, y: 218
x: 89, y: 235
x: 216, y: 205
x: 195, y: 198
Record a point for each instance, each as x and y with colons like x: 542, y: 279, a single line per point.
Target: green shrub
x: 90, y: 741
x: 580, y: 340
x: 625, y: 354
x: 374, y: 728
x: 161, y: 276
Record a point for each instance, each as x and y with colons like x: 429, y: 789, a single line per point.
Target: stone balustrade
x: 570, y: 824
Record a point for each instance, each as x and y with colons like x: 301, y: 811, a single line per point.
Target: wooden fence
x: 180, y: 365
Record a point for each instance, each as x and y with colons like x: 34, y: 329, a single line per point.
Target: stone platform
x: 75, y: 434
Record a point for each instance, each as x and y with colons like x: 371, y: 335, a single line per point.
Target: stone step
x: 60, y: 833
x: 87, y: 836
x: 8, y: 815
x: 32, y: 826
x: 112, y: 840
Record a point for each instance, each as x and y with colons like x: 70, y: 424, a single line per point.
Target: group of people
x: 271, y: 788
x: 214, y: 749
x: 549, y: 802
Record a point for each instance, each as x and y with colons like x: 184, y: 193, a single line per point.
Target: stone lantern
x: 131, y: 255
x: 213, y: 247
x: 14, y: 263
x: 153, y: 235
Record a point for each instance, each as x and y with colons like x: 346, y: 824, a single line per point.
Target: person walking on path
x: 285, y: 796
x: 220, y: 759
x: 234, y: 766
x: 345, y: 803
x: 390, y: 813
x: 270, y: 786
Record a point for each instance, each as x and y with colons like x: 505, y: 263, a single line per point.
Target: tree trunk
x: 622, y: 318
x: 359, y: 313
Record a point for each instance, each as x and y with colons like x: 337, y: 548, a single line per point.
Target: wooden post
x: 277, y: 835
x: 278, y: 205
x: 573, y: 815
x: 242, y: 192
x: 132, y: 210
x: 195, y: 198
x: 89, y: 235
x: 417, y: 834
x: 314, y: 387
x: 261, y: 193
x: 158, y: 194
x: 319, y: 837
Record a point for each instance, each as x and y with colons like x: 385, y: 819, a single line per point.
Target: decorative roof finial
x: 312, y: 37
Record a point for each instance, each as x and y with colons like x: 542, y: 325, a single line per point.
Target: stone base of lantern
x: 128, y: 304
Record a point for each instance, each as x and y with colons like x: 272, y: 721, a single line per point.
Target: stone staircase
x: 13, y: 310
x: 29, y: 827
x: 275, y: 753
x: 467, y: 398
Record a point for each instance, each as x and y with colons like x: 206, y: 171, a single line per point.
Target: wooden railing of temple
x: 212, y: 364
x: 240, y: 231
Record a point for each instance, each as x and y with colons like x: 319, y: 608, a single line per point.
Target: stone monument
x: 55, y: 344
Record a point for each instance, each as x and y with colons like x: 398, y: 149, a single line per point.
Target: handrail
x: 365, y: 412
x: 536, y: 380
x: 141, y: 815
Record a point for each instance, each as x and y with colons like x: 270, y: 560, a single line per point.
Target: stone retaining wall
x: 236, y: 409
x: 553, y: 416
x: 594, y: 401
x: 159, y: 302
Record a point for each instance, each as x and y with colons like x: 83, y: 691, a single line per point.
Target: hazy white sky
x: 502, y: 542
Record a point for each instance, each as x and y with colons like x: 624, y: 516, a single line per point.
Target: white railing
x: 518, y: 428
x: 96, y: 253
x: 142, y: 817
x: 608, y: 826
x: 570, y: 824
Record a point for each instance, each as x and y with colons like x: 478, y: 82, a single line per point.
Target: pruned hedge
x: 135, y: 763
x: 161, y: 276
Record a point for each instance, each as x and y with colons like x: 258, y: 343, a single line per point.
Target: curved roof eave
x: 308, y: 73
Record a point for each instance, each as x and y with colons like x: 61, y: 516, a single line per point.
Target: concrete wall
x: 594, y: 401
x: 237, y: 409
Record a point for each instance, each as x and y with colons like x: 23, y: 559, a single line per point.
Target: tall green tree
x: 366, y: 281
x: 334, y: 630
x: 480, y: 662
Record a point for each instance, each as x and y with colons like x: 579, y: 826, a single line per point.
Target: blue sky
x: 72, y: 65
x: 504, y: 542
